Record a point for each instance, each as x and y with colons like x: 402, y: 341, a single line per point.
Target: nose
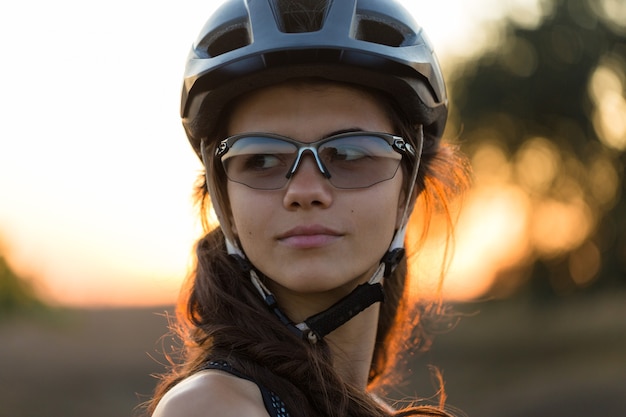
x: 308, y: 187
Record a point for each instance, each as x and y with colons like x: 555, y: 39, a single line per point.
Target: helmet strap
x: 314, y: 328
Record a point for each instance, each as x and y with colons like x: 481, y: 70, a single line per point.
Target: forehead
x: 308, y: 111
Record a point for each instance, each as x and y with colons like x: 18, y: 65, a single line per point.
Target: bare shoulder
x: 212, y: 393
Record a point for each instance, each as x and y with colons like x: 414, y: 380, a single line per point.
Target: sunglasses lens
x: 259, y: 162
x: 353, y: 161
x: 359, y: 161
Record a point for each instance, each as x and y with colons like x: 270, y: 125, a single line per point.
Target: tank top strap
x: 273, y: 404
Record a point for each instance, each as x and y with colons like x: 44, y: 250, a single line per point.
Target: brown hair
x: 222, y: 317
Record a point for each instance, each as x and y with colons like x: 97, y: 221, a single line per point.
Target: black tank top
x: 273, y: 404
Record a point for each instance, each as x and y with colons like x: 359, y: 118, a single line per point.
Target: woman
x: 319, y: 125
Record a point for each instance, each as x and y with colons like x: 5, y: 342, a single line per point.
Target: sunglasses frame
x: 397, y: 143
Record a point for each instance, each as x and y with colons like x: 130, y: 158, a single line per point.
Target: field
x: 511, y: 359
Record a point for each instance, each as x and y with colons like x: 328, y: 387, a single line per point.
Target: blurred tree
x: 550, y: 97
x: 16, y: 293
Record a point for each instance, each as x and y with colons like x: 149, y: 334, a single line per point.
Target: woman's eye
x: 348, y: 154
x: 261, y: 162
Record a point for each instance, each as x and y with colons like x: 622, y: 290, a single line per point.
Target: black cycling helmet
x: 248, y: 44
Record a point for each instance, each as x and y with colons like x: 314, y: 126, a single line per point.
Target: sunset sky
x: 95, y: 171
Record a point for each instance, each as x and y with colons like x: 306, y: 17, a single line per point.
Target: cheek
x: 237, y: 215
x: 385, y: 216
x: 243, y: 228
x: 248, y: 211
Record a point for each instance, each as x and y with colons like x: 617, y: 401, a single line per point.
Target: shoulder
x: 212, y: 393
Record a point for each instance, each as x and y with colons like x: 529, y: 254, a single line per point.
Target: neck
x: 351, y: 344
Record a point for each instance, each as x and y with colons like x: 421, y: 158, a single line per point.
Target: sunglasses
x: 352, y: 160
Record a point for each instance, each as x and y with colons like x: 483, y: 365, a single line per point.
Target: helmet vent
x: 382, y: 33
x: 300, y: 17
x: 229, y: 40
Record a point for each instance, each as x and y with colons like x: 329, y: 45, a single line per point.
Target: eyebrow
x: 341, y: 131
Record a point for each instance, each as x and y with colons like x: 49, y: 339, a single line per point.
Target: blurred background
x: 97, y: 222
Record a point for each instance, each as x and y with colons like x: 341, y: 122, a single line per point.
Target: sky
x: 95, y: 172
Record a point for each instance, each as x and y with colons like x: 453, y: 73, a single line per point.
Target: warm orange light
x: 606, y: 88
x: 584, y: 263
x: 491, y: 237
x: 559, y: 227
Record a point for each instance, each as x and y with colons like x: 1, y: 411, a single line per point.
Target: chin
x: 320, y: 283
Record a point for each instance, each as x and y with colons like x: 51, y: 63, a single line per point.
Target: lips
x: 309, y: 237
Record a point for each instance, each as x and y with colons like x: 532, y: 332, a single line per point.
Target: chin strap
x: 319, y: 325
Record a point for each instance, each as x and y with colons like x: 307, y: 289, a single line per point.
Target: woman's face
x: 310, y: 237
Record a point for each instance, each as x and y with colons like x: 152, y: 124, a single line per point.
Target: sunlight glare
x: 491, y: 237
x: 537, y: 165
x: 558, y: 226
x: 490, y: 163
x: 606, y: 88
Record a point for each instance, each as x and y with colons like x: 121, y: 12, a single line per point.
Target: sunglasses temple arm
x: 398, y: 240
